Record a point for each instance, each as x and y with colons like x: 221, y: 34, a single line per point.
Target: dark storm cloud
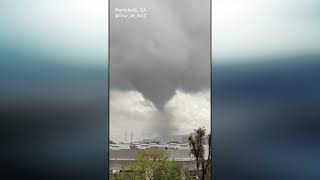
x: 167, y: 51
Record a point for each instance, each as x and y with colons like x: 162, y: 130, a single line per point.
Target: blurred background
x: 266, y: 74
x: 53, y: 89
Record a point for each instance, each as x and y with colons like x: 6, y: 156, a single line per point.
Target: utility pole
x: 125, y: 137
x: 131, y: 138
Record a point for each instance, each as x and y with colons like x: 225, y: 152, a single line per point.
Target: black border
x: 108, y: 96
x: 211, y: 90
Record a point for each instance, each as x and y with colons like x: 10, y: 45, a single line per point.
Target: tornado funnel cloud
x: 167, y: 51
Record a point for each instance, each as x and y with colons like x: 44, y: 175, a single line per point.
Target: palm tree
x: 196, y: 142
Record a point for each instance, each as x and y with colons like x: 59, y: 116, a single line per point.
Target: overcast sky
x: 160, y: 69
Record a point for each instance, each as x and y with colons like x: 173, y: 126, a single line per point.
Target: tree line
x: 152, y: 164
